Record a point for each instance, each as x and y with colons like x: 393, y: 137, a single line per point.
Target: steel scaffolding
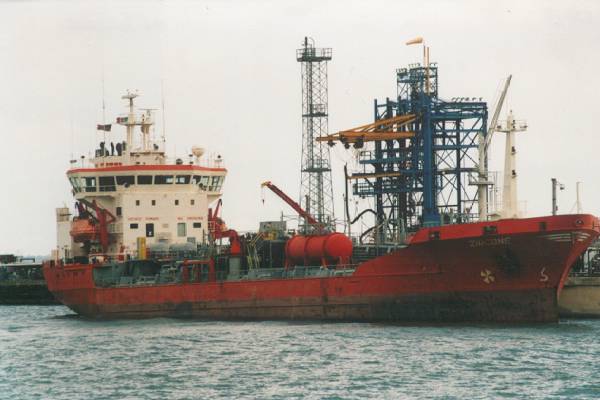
x: 316, y: 192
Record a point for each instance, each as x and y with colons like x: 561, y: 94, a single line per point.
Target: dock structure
x: 22, y: 282
x: 580, y: 296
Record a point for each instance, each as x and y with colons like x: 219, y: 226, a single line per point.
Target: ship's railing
x: 108, y: 276
x: 159, y: 256
x: 312, y: 54
x: 297, y: 272
x: 456, y: 218
x: 206, y: 161
x: 135, y: 119
x: 183, y: 254
x: 89, y: 161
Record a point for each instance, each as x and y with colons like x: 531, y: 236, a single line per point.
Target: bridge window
x: 163, y: 179
x: 90, y: 183
x: 125, y: 180
x: 197, y: 225
x: 215, y: 184
x: 76, y: 183
x: 133, y: 226
x: 182, y: 179
x: 201, y: 180
x: 144, y: 179
x: 107, y: 183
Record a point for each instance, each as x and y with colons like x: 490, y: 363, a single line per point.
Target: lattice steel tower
x: 316, y: 192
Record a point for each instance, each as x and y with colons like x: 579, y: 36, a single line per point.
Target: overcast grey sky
x: 232, y: 85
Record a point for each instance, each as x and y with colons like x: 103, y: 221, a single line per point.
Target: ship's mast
x: 130, y: 122
x: 509, y: 189
x: 145, y: 121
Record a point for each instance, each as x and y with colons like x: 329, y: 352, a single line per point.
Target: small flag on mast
x: 105, y: 128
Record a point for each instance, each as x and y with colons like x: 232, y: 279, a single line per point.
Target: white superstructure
x: 141, y: 194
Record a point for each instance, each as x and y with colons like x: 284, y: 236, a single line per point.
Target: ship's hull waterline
x: 536, y: 305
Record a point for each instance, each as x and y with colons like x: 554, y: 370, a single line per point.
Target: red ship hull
x: 501, y: 271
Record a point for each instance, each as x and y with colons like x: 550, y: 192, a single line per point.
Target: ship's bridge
x: 90, y: 182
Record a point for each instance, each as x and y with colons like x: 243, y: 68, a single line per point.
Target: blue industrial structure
x: 427, y: 178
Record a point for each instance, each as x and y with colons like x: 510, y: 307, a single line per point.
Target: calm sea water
x: 49, y: 353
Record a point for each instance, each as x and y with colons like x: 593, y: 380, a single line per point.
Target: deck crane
x: 484, y: 143
x: 218, y: 230
x: 493, y: 126
x: 303, y: 213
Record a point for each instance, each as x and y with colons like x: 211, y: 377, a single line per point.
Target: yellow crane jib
x: 382, y: 130
x: 376, y: 175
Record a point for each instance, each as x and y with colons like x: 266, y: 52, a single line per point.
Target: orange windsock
x: 416, y: 40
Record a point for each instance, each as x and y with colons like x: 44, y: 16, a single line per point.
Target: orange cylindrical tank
x: 332, y: 248
x: 82, y: 230
x: 294, y: 249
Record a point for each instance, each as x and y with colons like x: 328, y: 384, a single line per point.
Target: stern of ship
x: 72, y: 285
